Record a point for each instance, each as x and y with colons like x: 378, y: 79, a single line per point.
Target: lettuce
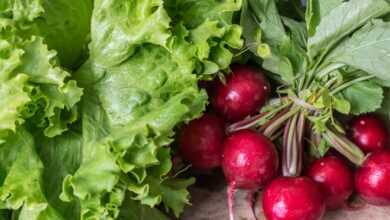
x: 63, y: 24
x: 35, y: 170
x: 141, y: 82
x: 34, y: 87
x: 93, y: 141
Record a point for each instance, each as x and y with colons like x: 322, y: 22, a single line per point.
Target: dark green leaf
x: 134, y: 210
x: 385, y: 109
x: 297, y: 30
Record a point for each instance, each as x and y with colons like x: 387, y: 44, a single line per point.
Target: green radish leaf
x: 343, y: 20
x: 323, y: 147
x: 368, y: 49
x: 281, y: 66
x: 297, y: 30
x: 281, y: 54
x: 341, y: 105
x: 269, y: 20
x: 364, y: 97
x: 273, y: 61
x: 317, y: 9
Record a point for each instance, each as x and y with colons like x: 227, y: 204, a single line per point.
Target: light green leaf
x: 139, y: 85
x: 341, y: 105
x: 364, y: 97
x: 12, y: 88
x: 286, y: 58
x: 194, y: 13
x: 40, y: 65
x: 323, y: 148
x: 368, y: 49
x: 174, y: 193
x: 119, y: 27
x: 13, y: 98
x: 21, y: 185
x: 269, y: 20
x: 316, y: 10
x: 65, y: 27
x: 22, y: 10
x: 60, y: 156
x: 98, y: 171
x: 298, y: 31
x: 281, y: 66
x: 24, y: 188
x: 205, y: 28
x: 350, y: 15
x: 34, y: 87
x: 64, y: 24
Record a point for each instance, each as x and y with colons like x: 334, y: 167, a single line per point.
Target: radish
x: 249, y: 161
x: 245, y: 92
x: 201, y: 140
x: 335, y: 178
x: 372, y: 179
x: 293, y: 198
x: 369, y: 133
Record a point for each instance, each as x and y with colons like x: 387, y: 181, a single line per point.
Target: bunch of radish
x: 296, y: 185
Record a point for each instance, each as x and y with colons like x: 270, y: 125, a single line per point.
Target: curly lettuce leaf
x: 98, y: 172
x: 206, y: 27
x: 139, y: 85
x: 34, y: 87
x: 21, y: 185
x: 193, y: 13
x: 34, y: 170
x: 119, y: 27
x: 63, y: 24
x: 133, y: 210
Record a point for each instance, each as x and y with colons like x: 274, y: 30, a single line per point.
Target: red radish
x: 335, y: 178
x: 200, y: 141
x: 293, y: 198
x: 249, y: 161
x: 369, y: 133
x: 372, y: 179
x: 245, y: 92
